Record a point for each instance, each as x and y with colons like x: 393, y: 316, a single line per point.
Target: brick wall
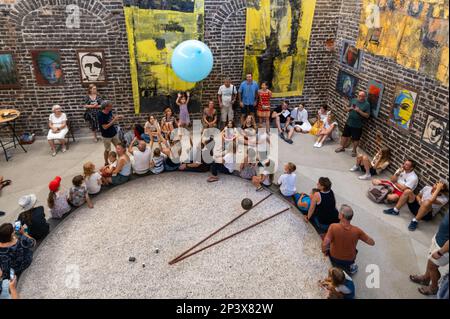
x: 433, y: 98
x: 38, y: 24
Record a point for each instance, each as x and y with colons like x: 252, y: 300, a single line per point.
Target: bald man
x: 142, y: 157
x: 358, y: 110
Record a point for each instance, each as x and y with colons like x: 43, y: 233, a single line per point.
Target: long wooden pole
x: 218, y: 230
x: 228, y: 237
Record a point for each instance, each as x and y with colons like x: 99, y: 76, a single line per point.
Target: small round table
x: 8, y: 118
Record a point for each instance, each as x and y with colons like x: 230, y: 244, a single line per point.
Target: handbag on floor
x: 379, y: 193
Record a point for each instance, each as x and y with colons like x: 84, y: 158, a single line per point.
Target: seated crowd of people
x: 165, y: 145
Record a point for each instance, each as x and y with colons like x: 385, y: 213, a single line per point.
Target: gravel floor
x: 87, y: 255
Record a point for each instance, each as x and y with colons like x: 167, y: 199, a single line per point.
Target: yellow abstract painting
x: 414, y: 33
x: 153, y: 35
x: 276, y: 43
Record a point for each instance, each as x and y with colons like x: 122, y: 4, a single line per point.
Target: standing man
x: 248, y: 97
x: 227, y: 96
x: 106, y: 121
x: 341, y: 240
x: 358, y: 110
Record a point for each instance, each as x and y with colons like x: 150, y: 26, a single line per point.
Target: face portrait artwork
x: 403, y: 109
x: 92, y: 66
x: 434, y: 132
x: 47, y: 67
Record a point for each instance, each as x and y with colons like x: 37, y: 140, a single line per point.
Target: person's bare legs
x: 52, y: 145
x: 407, y: 197
x: 430, y: 278
x: 355, y: 147
x: 94, y: 132
x: 267, y: 120
x: 291, y: 133
x: 105, y: 156
x: 63, y: 144
x: 424, y: 209
x: 345, y: 141
x: 277, y: 121
x: 392, y: 198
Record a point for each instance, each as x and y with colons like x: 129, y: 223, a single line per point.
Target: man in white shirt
x: 141, y: 156
x: 404, y: 179
x: 227, y: 96
x: 425, y: 205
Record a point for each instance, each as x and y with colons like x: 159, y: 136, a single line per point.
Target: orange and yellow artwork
x: 413, y: 33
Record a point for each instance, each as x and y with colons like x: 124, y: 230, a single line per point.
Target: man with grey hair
x: 107, y: 121
x: 341, y: 240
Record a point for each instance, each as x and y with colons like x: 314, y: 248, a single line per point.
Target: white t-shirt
x: 288, y: 184
x: 228, y: 162
x: 141, y: 163
x: 57, y: 121
x: 227, y: 94
x: 427, y: 194
x: 299, y: 116
x: 92, y: 184
x: 410, y: 180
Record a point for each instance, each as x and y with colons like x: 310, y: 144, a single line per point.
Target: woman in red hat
x: 57, y: 199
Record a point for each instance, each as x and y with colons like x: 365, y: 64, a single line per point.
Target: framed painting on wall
x: 346, y: 84
x: 403, y: 107
x: 47, y: 67
x: 374, y: 96
x: 351, y: 56
x: 92, y: 66
x: 434, y: 131
x: 8, y: 72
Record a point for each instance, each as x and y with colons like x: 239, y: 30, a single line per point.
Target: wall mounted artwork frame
x: 434, y: 132
x: 47, y: 67
x: 351, y: 56
x: 346, y: 84
x: 92, y: 65
x: 375, y: 92
x: 403, y: 107
x: 9, y: 78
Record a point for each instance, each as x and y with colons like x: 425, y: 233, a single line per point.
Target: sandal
x: 260, y: 188
x: 5, y: 183
x: 212, y: 179
x: 416, y: 279
x: 426, y: 291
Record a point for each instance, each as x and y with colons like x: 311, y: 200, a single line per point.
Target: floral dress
x: 91, y: 114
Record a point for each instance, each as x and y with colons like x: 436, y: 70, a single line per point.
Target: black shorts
x: 248, y: 109
x: 414, y: 209
x: 353, y: 132
x: 373, y: 171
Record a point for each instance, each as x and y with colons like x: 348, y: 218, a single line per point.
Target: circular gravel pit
x: 156, y: 218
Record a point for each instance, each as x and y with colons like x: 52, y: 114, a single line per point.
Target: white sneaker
x: 354, y: 168
x: 365, y: 177
x: 316, y: 144
x: 319, y: 145
x: 64, y: 149
x: 54, y: 153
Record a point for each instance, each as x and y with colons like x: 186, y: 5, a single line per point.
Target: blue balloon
x: 192, y: 61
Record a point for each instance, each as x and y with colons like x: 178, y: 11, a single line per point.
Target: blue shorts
x: 119, y: 179
x: 248, y: 109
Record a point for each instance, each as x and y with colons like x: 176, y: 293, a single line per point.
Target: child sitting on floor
x: 328, y: 130
x: 57, y: 199
x: 265, y: 178
x: 303, y: 201
x: 106, y: 171
x: 93, y: 179
x: 78, y: 194
x: 157, y: 162
x: 338, y: 284
x: 288, y: 180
